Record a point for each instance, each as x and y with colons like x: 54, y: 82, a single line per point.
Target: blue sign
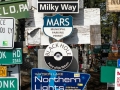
x: 58, y: 27
x: 42, y: 79
x: 118, y: 63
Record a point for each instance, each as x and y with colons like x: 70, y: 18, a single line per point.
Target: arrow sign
x: 118, y: 63
x: 42, y: 79
x: 58, y: 27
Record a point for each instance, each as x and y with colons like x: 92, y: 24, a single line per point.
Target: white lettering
x: 2, y: 55
x: 12, y: 9
x: 4, y: 11
x: 11, y: 84
x: 21, y: 7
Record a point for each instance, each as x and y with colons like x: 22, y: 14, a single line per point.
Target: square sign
x: 7, y: 25
x: 57, y: 80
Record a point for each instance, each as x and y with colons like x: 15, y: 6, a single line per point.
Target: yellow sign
x: 3, y: 71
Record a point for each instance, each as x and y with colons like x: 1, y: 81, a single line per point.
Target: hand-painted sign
x: 8, y: 83
x: 16, y: 9
x: 7, y: 26
x: 58, y: 27
x: 42, y: 79
x: 58, y: 56
x: 11, y: 56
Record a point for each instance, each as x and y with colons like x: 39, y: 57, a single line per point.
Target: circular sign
x: 58, y: 56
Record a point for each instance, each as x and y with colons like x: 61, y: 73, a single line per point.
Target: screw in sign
x: 58, y: 27
x: 7, y: 25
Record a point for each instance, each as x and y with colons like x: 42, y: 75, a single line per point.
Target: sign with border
x: 59, y: 6
x: 117, y: 79
x: 9, y: 83
x: 58, y: 26
x: 7, y: 26
x: 42, y: 79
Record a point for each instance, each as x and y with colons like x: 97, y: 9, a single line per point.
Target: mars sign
x: 58, y: 27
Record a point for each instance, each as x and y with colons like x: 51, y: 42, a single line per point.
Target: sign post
x: 7, y: 26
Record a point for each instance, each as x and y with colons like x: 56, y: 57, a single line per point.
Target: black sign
x: 58, y: 7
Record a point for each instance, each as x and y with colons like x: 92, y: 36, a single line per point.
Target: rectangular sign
x: 8, y: 83
x: 33, y: 26
x: 3, y: 71
x: 7, y: 26
x: 95, y: 35
x: 113, y: 6
x: 111, y: 63
x: 42, y: 79
x: 16, y: 9
x: 118, y: 63
x: 11, y: 56
x: 58, y: 7
x: 117, y: 79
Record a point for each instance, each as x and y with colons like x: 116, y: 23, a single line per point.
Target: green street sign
x: 111, y: 63
x: 107, y: 74
x: 11, y: 56
x: 16, y: 9
x: 8, y: 83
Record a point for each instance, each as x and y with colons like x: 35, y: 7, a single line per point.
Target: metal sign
x: 11, y: 56
x: 8, y: 83
x: 117, y: 79
x: 60, y: 6
x: 3, y: 71
x: 58, y: 27
x: 7, y: 26
x: 58, y: 56
x: 16, y: 9
x: 42, y: 79
x: 111, y: 63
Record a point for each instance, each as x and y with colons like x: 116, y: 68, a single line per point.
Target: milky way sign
x: 58, y: 27
x: 42, y: 79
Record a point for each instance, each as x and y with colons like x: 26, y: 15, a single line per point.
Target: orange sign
x: 3, y: 71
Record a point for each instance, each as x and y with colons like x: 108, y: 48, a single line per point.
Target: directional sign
x: 13, y: 56
x: 42, y: 79
x: 118, y: 63
x: 7, y: 32
x: 3, y: 71
x: 17, y: 9
x: 58, y: 27
x: 8, y: 83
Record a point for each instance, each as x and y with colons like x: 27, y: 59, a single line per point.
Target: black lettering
x: 2, y: 21
x: 113, y: 2
x: 2, y: 30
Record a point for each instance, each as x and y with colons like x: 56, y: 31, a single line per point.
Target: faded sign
x: 113, y: 5
x: 80, y: 35
x: 95, y: 35
x: 32, y: 28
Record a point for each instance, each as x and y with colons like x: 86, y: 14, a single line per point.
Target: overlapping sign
x: 42, y: 79
x: 58, y: 27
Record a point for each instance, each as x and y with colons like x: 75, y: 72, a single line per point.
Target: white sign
x: 7, y: 25
x: 32, y: 28
x: 117, y: 79
x: 14, y: 71
x: 58, y: 56
x: 80, y: 35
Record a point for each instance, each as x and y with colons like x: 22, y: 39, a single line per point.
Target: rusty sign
x: 3, y: 71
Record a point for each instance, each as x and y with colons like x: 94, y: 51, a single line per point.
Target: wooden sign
x: 95, y: 35
x: 113, y: 5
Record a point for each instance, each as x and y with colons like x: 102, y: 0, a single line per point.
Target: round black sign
x: 58, y: 56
